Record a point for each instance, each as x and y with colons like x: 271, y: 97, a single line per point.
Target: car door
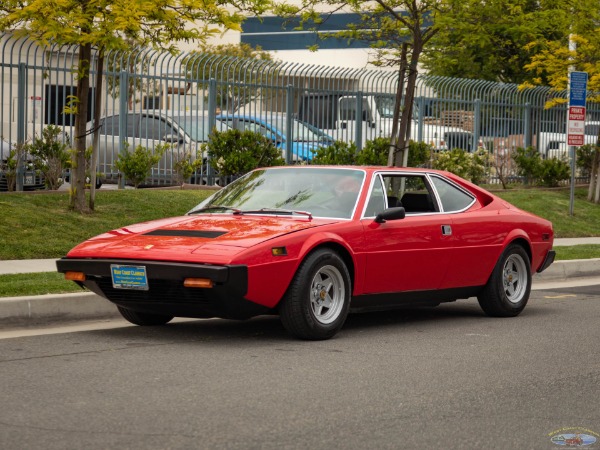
x: 155, y: 131
x: 410, y: 254
x: 109, y: 142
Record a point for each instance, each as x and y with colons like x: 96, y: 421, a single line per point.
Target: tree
x: 490, y: 40
x: 556, y: 57
x: 398, y: 31
x: 238, y: 84
x: 105, y: 25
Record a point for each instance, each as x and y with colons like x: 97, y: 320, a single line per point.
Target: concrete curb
x: 566, y: 270
x: 89, y: 306
x: 56, y: 307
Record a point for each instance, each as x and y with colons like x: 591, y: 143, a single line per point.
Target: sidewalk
x: 89, y: 306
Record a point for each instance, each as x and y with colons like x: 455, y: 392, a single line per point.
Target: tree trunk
x: 405, y: 123
x: 397, y: 105
x: 597, y: 196
x: 593, y: 179
x: 77, y: 198
x: 96, y: 128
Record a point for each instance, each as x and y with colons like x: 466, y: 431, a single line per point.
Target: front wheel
x: 144, y: 319
x: 316, y: 304
x: 507, y: 291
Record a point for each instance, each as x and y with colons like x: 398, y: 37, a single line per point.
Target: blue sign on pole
x: 577, y: 88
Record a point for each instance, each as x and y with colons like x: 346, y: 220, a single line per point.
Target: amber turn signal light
x: 75, y: 276
x: 279, y: 251
x: 198, y: 283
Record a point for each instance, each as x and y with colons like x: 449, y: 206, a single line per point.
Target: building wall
x: 287, y: 44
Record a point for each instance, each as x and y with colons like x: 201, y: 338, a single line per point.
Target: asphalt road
x: 442, y: 378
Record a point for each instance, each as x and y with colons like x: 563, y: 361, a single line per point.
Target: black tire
x: 144, y: 319
x: 507, y: 291
x: 317, y: 301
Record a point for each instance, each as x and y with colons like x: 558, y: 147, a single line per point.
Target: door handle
x: 446, y: 230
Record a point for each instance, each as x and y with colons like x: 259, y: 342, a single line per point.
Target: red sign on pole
x: 576, y: 126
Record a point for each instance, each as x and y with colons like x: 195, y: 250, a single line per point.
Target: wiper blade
x: 216, y: 208
x: 289, y: 212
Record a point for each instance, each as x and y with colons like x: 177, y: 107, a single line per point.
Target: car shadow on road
x: 269, y: 328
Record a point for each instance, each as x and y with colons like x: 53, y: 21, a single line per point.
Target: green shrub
x: 528, y: 161
x: 9, y: 166
x: 585, y: 157
x: 470, y: 166
x: 184, y: 167
x: 235, y: 152
x: 50, y: 156
x: 545, y: 172
x: 552, y: 171
x: 338, y: 154
x: 374, y: 153
x: 419, y: 154
x: 136, y: 165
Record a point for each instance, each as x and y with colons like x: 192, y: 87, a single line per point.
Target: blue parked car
x: 305, y: 137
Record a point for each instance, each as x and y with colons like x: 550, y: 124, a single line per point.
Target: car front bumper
x: 166, y: 293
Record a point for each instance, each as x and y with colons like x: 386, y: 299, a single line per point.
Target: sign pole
x: 576, y: 123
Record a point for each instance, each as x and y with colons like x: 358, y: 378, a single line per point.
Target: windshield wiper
x: 216, y: 208
x: 289, y: 212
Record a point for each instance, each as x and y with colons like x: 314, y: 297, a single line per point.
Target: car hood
x: 180, y: 238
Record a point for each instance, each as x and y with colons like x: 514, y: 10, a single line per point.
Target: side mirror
x: 173, y: 138
x: 390, y: 214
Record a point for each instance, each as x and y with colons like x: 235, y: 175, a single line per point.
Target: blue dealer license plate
x: 129, y: 277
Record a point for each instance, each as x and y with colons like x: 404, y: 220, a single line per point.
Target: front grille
x: 160, y: 291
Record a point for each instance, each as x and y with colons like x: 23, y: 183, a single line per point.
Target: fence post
x: 21, y: 103
x: 358, y: 121
x: 527, y: 125
x: 288, y: 124
x: 476, y: 124
x: 123, y: 113
x: 420, y: 115
x: 212, y: 124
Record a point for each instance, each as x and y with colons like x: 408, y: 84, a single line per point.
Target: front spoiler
x: 166, y: 293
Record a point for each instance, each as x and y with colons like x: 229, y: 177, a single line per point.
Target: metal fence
x: 151, y: 97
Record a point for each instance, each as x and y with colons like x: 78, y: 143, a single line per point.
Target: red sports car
x: 311, y: 243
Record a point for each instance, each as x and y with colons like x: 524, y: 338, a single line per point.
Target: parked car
x: 185, y: 131
x: 311, y: 243
x: 32, y: 179
x: 305, y: 137
x: 554, y: 144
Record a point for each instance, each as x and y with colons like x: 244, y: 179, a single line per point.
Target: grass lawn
x: 39, y: 225
x: 35, y: 284
x: 553, y: 204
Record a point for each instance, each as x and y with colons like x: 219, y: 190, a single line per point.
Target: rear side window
x: 111, y: 124
x: 154, y: 128
x: 452, y: 197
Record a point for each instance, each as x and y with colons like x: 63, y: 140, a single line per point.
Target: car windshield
x: 385, y: 106
x: 322, y: 192
x: 304, y: 132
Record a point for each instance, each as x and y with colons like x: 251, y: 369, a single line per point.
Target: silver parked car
x: 185, y: 132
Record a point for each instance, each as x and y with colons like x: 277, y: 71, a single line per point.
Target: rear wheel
x: 144, y: 319
x: 316, y: 304
x: 507, y: 291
